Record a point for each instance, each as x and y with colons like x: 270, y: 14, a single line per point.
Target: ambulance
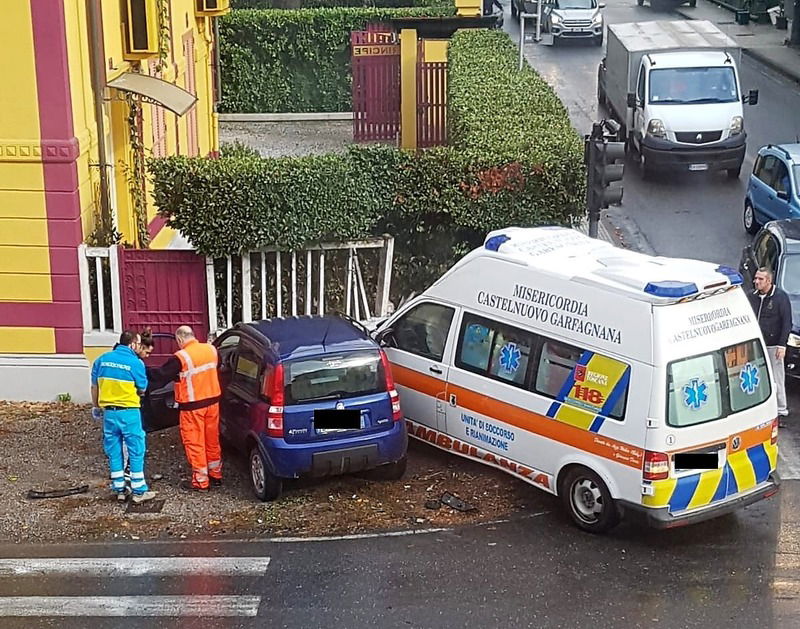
x: 627, y: 385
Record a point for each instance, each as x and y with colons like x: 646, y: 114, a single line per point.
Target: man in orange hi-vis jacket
x: 197, y: 392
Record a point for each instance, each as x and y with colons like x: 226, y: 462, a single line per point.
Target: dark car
x: 304, y: 397
x: 777, y: 247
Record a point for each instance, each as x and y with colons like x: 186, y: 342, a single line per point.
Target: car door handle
x: 435, y: 369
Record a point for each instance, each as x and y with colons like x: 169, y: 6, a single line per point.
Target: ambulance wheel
x: 266, y: 486
x: 588, y: 501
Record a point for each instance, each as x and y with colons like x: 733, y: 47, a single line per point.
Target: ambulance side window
x: 494, y: 349
x: 587, y: 380
x: 423, y: 330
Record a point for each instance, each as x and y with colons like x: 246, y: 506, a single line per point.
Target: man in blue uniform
x: 118, y: 379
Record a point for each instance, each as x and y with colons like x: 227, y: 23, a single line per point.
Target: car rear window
x: 333, y: 376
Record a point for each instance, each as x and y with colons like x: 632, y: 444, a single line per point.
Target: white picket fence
x: 274, y: 267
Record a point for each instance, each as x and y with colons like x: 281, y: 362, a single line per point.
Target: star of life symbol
x: 695, y: 392
x: 509, y: 357
x: 748, y: 378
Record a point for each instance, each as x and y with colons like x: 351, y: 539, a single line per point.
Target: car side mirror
x: 602, y: 5
x: 385, y: 337
x: 631, y: 100
x: 752, y: 97
x: 782, y: 194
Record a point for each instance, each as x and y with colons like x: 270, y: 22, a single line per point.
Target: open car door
x: 159, y: 409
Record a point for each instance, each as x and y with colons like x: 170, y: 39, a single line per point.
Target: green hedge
x: 316, y: 4
x: 513, y: 160
x: 295, y: 61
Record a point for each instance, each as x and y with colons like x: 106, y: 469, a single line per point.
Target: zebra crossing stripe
x: 130, y: 606
x: 134, y: 566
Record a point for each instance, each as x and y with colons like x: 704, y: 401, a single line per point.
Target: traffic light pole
x: 591, y: 158
x: 602, y: 156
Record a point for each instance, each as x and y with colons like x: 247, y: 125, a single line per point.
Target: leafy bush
x: 295, y: 61
x: 513, y: 160
x: 237, y: 149
x: 316, y: 4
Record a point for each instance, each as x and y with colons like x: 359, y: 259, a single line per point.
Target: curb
x: 763, y: 59
x: 287, y: 117
x: 755, y: 53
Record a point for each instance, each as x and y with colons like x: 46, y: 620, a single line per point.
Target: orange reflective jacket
x: 198, y: 378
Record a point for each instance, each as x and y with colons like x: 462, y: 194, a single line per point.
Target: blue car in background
x: 309, y: 397
x: 773, y: 191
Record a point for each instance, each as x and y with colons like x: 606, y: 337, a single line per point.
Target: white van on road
x: 624, y: 383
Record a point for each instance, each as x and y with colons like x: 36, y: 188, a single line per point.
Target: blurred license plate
x: 327, y: 420
x: 698, y: 166
x: 698, y: 461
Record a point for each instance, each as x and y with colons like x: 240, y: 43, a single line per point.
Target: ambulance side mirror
x: 385, y: 337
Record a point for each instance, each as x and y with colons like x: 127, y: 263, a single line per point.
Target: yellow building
x: 90, y: 88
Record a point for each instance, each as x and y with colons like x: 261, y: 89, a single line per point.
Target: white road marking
x: 131, y: 606
x: 134, y: 566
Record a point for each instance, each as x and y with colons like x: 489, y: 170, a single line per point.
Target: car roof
x: 788, y: 230
x: 292, y: 337
x: 793, y: 150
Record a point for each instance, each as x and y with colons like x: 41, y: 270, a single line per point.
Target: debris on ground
x: 58, y: 445
x: 34, y: 494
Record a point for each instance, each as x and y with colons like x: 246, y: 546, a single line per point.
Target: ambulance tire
x: 266, y: 486
x: 588, y: 501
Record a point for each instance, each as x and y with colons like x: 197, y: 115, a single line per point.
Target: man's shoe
x: 216, y: 482
x: 122, y: 496
x: 784, y: 413
x: 143, y: 497
x: 185, y: 485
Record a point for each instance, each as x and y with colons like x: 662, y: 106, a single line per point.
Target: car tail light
x: 397, y: 413
x: 774, y: 438
x: 656, y: 465
x: 273, y: 391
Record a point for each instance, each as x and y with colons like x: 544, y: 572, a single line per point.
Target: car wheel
x: 693, y: 3
x: 514, y: 12
x: 644, y: 168
x: 751, y: 225
x: 640, y: 3
x: 733, y: 173
x: 266, y: 486
x: 390, y: 471
x: 556, y: 40
x: 588, y: 501
x: 598, y: 40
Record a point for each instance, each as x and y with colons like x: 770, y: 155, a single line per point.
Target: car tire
x: 588, y: 501
x: 598, y: 40
x: 751, y: 225
x: 266, y: 486
x: 733, y: 173
x: 640, y: 3
x: 390, y: 471
x: 693, y: 3
x: 556, y: 40
x: 644, y: 168
x: 514, y: 12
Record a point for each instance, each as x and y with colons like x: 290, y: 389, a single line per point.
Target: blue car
x: 773, y: 191
x: 309, y: 397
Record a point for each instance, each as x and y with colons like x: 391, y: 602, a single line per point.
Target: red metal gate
x: 163, y: 289
x: 376, y: 85
x: 431, y: 102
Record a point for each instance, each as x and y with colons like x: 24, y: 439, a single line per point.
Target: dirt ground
x: 58, y: 446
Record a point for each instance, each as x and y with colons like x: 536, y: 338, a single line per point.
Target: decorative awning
x: 156, y: 91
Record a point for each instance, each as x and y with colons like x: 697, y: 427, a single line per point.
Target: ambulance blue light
x: 670, y: 289
x: 493, y: 243
x: 732, y: 274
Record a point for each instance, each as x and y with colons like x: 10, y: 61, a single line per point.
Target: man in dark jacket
x: 774, y: 314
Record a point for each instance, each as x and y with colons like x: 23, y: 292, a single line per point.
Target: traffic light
x: 607, y: 162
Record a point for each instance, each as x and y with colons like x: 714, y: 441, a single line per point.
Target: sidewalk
x: 763, y: 42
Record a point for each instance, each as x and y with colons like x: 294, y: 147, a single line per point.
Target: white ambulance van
x: 626, y: 384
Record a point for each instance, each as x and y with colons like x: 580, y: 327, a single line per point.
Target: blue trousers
x: 125, y: 426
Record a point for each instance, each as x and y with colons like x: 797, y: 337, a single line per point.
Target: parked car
x: 566, y: 19
x: 773, y: 191
x: 667, y: 5
x: 303, y: 397
x: 777, y: 247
